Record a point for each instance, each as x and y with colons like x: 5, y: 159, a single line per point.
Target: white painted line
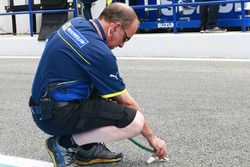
x: 145, y: 58
x: 20, y: 57
x: 180, y: 59
x: 10, y: 161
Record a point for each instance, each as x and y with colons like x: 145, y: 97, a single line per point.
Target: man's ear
x: 114, y: 26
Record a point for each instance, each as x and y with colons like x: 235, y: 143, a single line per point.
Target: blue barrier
x: 175, y: 23
x: 31, y: 12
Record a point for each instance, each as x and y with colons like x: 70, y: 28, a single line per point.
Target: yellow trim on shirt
x: 62, y: 83
x: 109, y: 2
x: 114, y: 94
x: 73, y: 48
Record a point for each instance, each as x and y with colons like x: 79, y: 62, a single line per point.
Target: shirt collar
x: 101, y: 29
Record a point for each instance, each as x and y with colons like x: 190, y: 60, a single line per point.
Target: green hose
x: 141, y: 146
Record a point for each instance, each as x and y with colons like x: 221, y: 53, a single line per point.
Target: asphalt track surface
x: 202, y: 109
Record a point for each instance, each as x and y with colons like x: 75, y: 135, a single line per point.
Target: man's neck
x: 105, y: 26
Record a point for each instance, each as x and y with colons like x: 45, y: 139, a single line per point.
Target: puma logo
x: 113, y: 76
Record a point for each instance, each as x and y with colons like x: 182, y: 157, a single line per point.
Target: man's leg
x: 212, y: 19
x: 99, y: 153
x: 111, y: 133
x: 101, y: 121
x: 212, y: 16
x: 87, y: 11
x: 203, y: 17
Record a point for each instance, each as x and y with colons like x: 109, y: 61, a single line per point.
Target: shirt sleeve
x: 106, y: 79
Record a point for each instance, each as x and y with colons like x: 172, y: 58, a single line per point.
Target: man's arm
x: 158, y: 144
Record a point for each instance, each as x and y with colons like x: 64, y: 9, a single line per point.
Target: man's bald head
x: 119, y: 12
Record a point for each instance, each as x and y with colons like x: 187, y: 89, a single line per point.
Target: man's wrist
x: 150, y: 137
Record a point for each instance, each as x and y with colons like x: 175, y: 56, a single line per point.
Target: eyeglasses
x: 126, y: 38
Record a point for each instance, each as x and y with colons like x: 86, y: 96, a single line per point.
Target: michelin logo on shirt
x: 75, y: 35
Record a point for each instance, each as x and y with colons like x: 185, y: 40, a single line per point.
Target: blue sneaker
x: 60, y: 156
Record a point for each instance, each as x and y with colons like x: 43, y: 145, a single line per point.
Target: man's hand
x: 158, y: 144
x: 159, y: 147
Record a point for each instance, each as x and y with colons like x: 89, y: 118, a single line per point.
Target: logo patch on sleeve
x: 75, y: 35
x: 114, y: 76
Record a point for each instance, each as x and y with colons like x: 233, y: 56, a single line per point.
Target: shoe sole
x: 216, y: 31
x: 97, y: 161
x: 51, y: 154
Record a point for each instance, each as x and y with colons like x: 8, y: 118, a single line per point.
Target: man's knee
x: 137, y: 124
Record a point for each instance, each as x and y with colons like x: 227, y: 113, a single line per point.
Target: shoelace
x: 69, y: 156
x: 104, y: 146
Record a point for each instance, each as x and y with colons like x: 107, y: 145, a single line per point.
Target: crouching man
x: 79, y: 97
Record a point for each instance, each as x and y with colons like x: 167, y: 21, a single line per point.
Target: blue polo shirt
x: 75, y: 61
